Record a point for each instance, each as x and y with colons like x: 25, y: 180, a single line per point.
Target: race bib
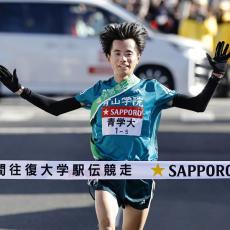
x: 122, y: 120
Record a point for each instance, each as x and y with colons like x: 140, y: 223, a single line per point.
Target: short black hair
x: 122, y: 31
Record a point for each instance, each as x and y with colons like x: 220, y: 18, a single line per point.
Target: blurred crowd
x: 205, y: 20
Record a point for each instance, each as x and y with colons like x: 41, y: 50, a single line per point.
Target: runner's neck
x: 118, y: 79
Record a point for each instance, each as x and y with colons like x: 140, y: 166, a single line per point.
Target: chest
x: 124, y: 114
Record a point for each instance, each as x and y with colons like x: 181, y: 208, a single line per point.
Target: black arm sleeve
x: 49, y: 105
x: 199, y: 102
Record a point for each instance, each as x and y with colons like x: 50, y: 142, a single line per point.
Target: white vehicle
x: 54, y: 46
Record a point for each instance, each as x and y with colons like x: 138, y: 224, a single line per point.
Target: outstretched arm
x: 45, y: 103
x: 49, y: 105
x: 200, y: 102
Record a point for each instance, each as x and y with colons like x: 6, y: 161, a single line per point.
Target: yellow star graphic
x: 157, y: 170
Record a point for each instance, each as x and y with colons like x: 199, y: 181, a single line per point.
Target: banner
x: 83, y: 170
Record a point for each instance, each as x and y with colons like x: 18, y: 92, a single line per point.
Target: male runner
x: 125, y: 115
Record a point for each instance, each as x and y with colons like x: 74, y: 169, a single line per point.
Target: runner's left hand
x: 219, y: 61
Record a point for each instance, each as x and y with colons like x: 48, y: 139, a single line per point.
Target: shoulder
x: 153, y: 85
x: 149, y: 84
x: 107, y: 82
x: 103, y: 84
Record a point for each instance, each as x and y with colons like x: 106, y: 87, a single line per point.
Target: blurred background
x: 55, y: 48
x: 202, y: 20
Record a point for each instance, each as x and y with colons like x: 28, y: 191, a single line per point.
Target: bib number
x: 122, y: 120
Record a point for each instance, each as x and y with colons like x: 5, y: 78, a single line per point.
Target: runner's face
x: 123, y: 58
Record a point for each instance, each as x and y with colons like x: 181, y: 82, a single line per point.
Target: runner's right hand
x: 9, y: 80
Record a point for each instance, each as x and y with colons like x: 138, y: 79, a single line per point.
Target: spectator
x: 201, y: 24
x: 139, y: 7
x: 223, y: 19
x: 81, y: 29
x: 161, y: 17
